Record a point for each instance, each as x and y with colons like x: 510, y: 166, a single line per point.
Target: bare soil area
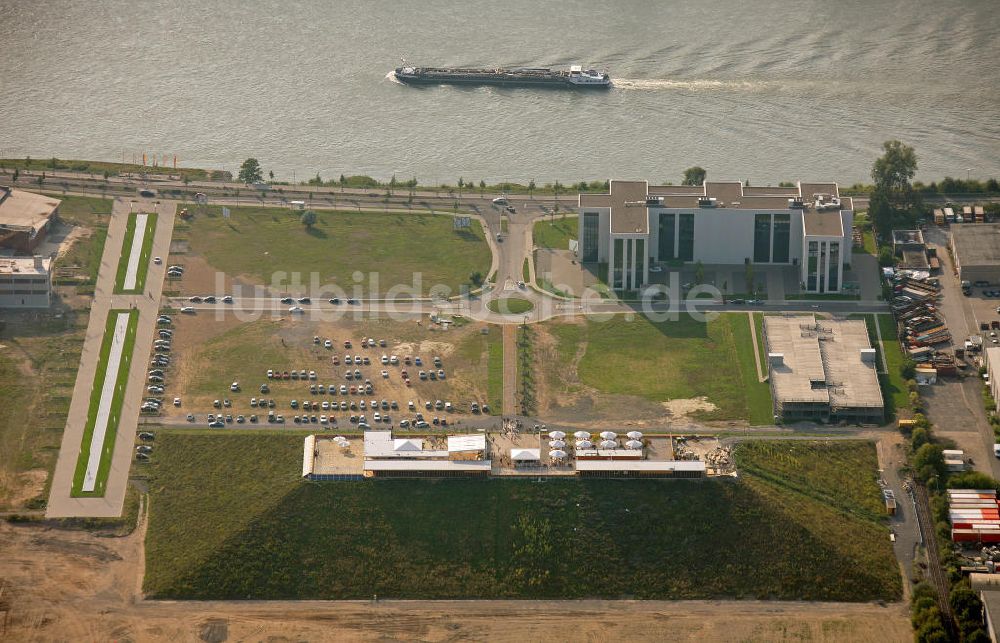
x: 73, y: 585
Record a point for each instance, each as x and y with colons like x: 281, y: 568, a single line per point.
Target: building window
x: 667, y: 237
x: 616, y: 270
x: 591, y: 236
x: 629, y: 263
x: 782, y: 239
x: 762, y: 238
x: 686, y: 236
x: 640, y: 261
x: 812, y: 266
x: 832, y: 281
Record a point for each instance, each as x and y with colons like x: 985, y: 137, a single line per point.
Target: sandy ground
x: 72, y: 585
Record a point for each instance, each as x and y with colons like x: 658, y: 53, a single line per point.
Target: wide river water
x: 765, y: 90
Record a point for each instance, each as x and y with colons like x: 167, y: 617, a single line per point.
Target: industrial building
x: 992, y: 354
x: 25, y: 218
x: 909, y: 247
x: 976, y: 248
x: 25, y: 282
x: 822, y: 371
x: 636, y: 225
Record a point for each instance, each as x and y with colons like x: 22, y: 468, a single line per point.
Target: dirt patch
x: 23, y: 487
x: 684, y: 407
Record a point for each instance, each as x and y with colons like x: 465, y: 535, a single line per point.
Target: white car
x: 500, y: 200
x: 177, y: 401
x: 188, y: 309
x: 157, y: 260
x: 296, y: 310
x: 385, y: 374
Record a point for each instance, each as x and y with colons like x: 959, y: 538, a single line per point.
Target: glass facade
x: 812, y: 266
x: 685, y: 234
x: 627, y: 273
x: 782, y: 239
x: 591, y: 236
x: 640, y: 261
x: 832, y: 281
x: 762, y: 238
x: 667, y: 237
x: 616, y: 266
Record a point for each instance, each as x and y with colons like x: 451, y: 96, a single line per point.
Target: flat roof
x: 380, y: 444
x: 23, y: 266
x: 428, y: 465
x: 823, y: 224
x: 25, y: 209
x: 473, y: 442
x: 977, y: 244
x: 900, y: 237
x: 822, y: 362
x: 640, y: 465
x: 629, y: 215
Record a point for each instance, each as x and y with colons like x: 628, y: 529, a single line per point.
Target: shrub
x: 919, y: 438
x: 929, y: 457
x: 972, y: 480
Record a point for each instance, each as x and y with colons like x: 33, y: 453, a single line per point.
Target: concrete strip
x: 135, y: 252
x: 96, y: 448
x: 509, y: 405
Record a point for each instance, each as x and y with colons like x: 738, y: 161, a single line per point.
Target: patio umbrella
x: 584, y: 444
x: 608, y: 435
x: 339, y: 438
x: 557, y: 444
x: 557, y: 454
x: 634, y: 435
x: 557, y: 435
x: 582, y: 435
x: 609, y: 444
x: 634, y: 444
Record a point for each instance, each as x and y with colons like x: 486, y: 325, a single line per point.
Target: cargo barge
x: 575, y: 77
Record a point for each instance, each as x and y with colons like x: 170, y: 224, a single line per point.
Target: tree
x: 971, y: 480
x: 308, y: 218
x: 929, y: 460
x: 893, y: 197
x: 694, y: 175
x: 461, y: 184
x: 531, y: 188
x: 556, y: 187
x: 919, y: 438
x: 885, y: 257
x: 17, y: 173
x: 476, y: 278
x: 250, y: 172
x: 270, y: 174
x: 482, y: 187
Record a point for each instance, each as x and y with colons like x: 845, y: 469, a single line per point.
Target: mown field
x: 802, y: 523
x: 555, y: 233
x: 259, y: 242
x: 661, y: 361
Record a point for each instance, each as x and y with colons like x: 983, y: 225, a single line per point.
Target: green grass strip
x: 116, y: 405
x: 494, y: 370
x: 760, y: 408
x: 144, y: 257
x: 510, y: 305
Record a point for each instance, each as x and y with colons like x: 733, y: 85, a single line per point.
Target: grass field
x: 259, y: 242
x: 144, y: 256
x: 662, y: 361
x: 807, y: 528
x: 114, y: 413
x: 494, y: 369
x: 510, y: 305
x: 893, y: 387
x: 555, y: 234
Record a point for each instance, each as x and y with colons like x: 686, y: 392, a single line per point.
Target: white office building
x: 25, y: 282
x: 636, y: 224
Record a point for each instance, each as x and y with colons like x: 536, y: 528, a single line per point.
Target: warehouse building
x: 636, y: 225
x: 822, y: 371
x: 25, y: 218
x: 25, y: 282
x: 976, y: 248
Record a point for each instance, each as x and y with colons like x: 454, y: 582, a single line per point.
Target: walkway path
x: 756, y: 348
x: 61, y: 503
x: 509, y: 407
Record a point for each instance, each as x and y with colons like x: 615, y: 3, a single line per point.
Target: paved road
x: 61, y: 504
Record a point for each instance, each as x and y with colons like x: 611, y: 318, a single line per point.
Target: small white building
x: 25, y: 282
x: 993, y: 373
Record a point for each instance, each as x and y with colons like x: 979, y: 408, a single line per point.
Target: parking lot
x: 297, y: 373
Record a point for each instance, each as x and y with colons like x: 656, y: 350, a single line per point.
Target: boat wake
x: 391, y: 76
x: 655, y: 84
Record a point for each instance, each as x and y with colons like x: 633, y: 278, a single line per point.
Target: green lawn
x: 510, y: 306
x: 114, y: 413
x: 83, y: 210
x: 555, y: 234
x: 145, y: 254
x: 894, y: 387
x: 99, y: 167
x: 758, y: 394
x: 395, y: 248
x: 802, y: 523
x: 494, y: 370
x: 661, y: 361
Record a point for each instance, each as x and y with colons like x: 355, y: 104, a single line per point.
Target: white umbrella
x: 634, y: 435
x: 582, y: 435
x: 584, y: 444
x: 609, y: 444
x: 608, y: 435
x: 557, y: 435
x: 634, y: 444
x: 557, y: 454
x: 339, y: 438
x: 557, y: 444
